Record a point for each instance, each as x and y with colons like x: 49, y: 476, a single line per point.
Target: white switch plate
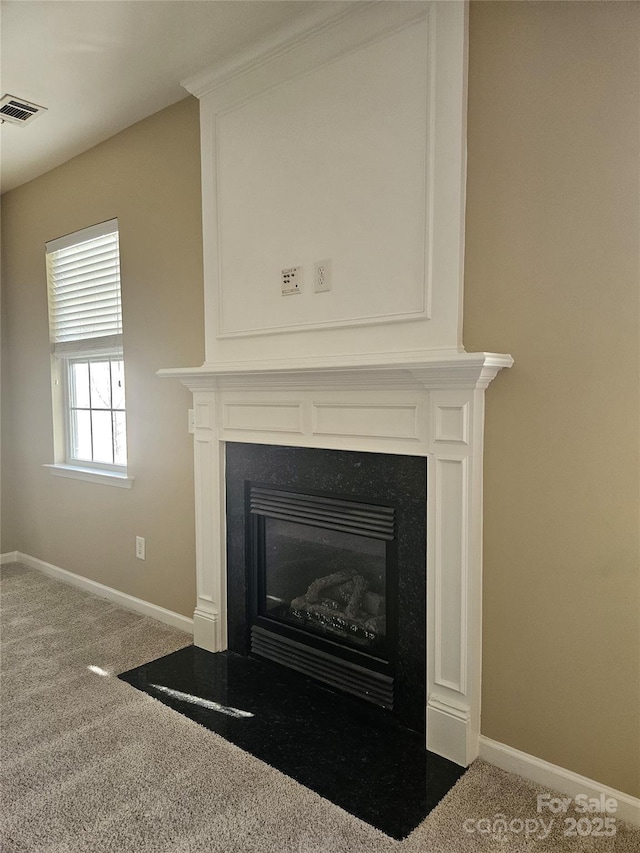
x: 322, y: 276
x: 140, y: 548
x: 192, y: 421
x: 291, y: 280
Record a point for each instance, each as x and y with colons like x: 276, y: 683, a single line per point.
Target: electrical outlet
x: 291, y: 280
x: 322, y: 276
x: 140, y: 548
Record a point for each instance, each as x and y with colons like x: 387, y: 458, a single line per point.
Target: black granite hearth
x: 348, y: 751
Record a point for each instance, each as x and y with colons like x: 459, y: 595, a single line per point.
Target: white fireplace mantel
x: 341, y: 140
x: 421, y: 404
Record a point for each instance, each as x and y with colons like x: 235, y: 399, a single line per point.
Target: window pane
x: 80, y: 384
x: 81, y: 435
x: 97, y: 417
x: 102, y: 437
x: 117, y: 384
x: 119, y: 438
x: 100, y: 385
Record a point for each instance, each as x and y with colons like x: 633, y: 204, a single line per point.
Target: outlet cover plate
x: 140, y: 548
x: 322, y: 276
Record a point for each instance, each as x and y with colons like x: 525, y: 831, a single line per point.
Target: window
x: 85, y: 322
x: 97, y: 419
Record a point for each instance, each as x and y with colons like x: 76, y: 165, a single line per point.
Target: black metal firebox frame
x: 368, y: 676
x: 387, y: 481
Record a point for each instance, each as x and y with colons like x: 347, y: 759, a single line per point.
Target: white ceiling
x: 101, y: 65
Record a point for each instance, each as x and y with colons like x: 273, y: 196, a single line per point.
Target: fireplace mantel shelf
x: 428, y: 369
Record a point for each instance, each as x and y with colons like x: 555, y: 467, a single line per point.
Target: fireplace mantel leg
x: 210, y: 615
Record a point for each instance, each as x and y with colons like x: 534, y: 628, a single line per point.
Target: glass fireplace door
x: 329, y: 582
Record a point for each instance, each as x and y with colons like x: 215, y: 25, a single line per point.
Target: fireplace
x: 323, y: 577
x: 428, y: 408
x: 325, y: 566
x: 368, y: 359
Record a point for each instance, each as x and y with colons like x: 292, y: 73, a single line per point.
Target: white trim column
x: 210, y: 615
x: 454, y: 574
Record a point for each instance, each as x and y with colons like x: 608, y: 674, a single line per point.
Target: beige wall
x: 552, y: 277
x: 149, y: 177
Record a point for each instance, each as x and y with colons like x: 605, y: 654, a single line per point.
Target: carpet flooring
x: 91, y: 764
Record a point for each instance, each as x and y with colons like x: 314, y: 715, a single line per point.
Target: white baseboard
x: 9, y: 557
x: 130, y: 602
x: 449, y: 732
x: 206, y: 631
x: 554, y: 777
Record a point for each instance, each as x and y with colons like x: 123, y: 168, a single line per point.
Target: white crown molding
x: 425, y: 370
x: 287, y: 38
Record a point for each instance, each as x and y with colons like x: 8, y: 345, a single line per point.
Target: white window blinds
x: 83, y: 273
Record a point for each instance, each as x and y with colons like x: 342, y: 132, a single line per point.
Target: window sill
x: 92, y: 475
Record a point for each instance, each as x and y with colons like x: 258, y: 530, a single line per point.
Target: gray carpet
x: 90, y: 764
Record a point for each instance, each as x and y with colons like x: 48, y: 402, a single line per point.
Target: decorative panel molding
x: 265, y: 416
x: 367, y: 420
x: 201, y: 416
x: 317, y: 156
x: 204, y: 451
x: 341, y: 138
x: 385, y: 421
x: 451, y: 423
x: 450, y: 571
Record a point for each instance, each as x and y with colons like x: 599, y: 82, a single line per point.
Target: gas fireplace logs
x: 342, y: 602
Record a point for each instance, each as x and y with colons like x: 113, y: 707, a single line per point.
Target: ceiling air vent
x: 18, y: 111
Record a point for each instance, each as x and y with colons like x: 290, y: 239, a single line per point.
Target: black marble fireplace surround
x: 386, y: 495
